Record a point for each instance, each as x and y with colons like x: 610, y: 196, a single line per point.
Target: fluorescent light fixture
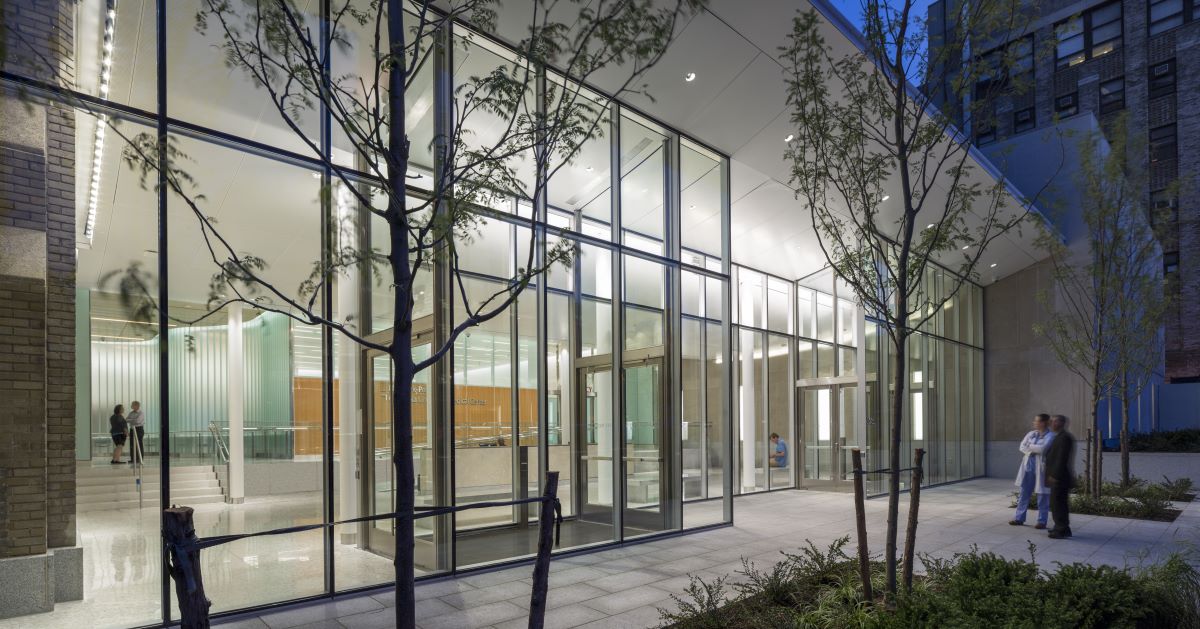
x: 689, y: 77
x: 790, y: 137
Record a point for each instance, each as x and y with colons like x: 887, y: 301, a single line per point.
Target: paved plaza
x: 626, y: 586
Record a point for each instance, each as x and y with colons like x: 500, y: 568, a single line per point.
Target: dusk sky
x: 852, y: 9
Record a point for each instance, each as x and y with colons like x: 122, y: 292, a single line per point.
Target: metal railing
x: 222, y: 455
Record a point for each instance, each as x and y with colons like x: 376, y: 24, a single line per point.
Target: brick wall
x: 37, y: 287
x: 23, y: 497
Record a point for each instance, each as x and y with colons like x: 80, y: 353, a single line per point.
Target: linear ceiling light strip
x: 110, y: 25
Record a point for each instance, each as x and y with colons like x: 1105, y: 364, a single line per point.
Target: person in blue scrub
x: 779, y: 451
x: 1031, y: 477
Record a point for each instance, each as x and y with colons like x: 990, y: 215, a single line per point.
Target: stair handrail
x: 223, y: 453
x: 136, y: 456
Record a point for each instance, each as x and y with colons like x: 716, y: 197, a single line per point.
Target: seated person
x: 779, y: 451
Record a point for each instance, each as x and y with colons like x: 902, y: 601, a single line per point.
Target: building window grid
x: 1162, y: 79
x: 1024, y: 120
x: 1067, y: 105
x: 1163, y: 143
x: 1112, y: 95
x: 1094, y: 33
x: 1164, y: 15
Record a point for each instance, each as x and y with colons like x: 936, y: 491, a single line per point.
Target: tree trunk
x: 1097, y: 454
x: 401, y: 347
x: 899, y: 380
x: 860, y: 523
x: 403, y: 461
x: 914, y: 505
x: 184, y: 568
x: 1124, y: 430
x: 541, y: 568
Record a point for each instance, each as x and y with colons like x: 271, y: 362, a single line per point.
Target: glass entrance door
x: 379, y: 479
x: 593, y: 446
x: 644, y: 456
x: 827, y: 420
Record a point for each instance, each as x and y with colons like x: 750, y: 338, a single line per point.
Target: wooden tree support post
x: 914, y: 505
x: 179, y: 532
x: 541, y: 568
x: 1088, y: 465
x: 860, y: 520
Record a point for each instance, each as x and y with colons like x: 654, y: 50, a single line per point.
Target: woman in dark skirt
x: 118, y: 427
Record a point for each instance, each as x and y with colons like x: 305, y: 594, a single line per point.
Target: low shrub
x: 970, y: 590
x: 1187, y: 440
x: 1147, y: 507
x: 1137, y: 499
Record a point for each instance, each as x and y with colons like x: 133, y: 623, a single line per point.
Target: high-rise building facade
x: 1103, y: 58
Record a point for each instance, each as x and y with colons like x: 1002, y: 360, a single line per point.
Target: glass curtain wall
x: 614, y: 371
x: 813, y: 370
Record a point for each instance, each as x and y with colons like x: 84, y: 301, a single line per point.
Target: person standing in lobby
x: 1031, y: 477
x: 137, y: 429
x: 117, y: 429
x: 1060, y: 476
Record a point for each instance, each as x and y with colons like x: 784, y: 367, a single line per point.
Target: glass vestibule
x: 831, y: 428
x: 378, y: 486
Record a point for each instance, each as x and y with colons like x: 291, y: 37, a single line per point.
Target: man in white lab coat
x: 1031, y: 477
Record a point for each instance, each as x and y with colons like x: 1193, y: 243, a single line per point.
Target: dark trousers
x: 1059, y: 501
x: 135, y: 451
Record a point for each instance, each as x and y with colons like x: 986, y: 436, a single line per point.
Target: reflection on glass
x: 643, y: 184
x: 700, y: 199
x: 645, y: 484
x: 779, y: 411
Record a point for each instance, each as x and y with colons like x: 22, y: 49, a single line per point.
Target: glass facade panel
x: 298, y: 405
x: 248, y: 376
x: 643, y: 184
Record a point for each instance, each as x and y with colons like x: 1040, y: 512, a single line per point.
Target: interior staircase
x: 110, y: 487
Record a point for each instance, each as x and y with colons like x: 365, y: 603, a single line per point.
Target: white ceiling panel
x: 749, y: 103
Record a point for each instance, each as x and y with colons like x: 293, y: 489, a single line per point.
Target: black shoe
x: 114, y: 462
x: 1016, y: 523
x: 1060, y: 534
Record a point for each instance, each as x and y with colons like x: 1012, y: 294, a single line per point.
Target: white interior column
x: 746, y: 394
x: 604, y: 436
x: 235, y: 374
x: 349, y: 407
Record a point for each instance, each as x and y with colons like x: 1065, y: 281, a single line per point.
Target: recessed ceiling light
x: 993, y: 265
x: 886, y: 197
x: 790, y: 137
x: 929, y: 226
x: 692, y: 206
x: 316, y: 175
x: 589, y: 169
x: 689, y: 77
x: 965, y: 247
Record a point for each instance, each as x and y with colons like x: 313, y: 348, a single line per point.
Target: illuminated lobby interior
x: 698, y: 317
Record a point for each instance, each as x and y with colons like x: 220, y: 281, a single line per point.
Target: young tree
x: 1106, y: 314
x: 888, y: 175
x: 536, y: 126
